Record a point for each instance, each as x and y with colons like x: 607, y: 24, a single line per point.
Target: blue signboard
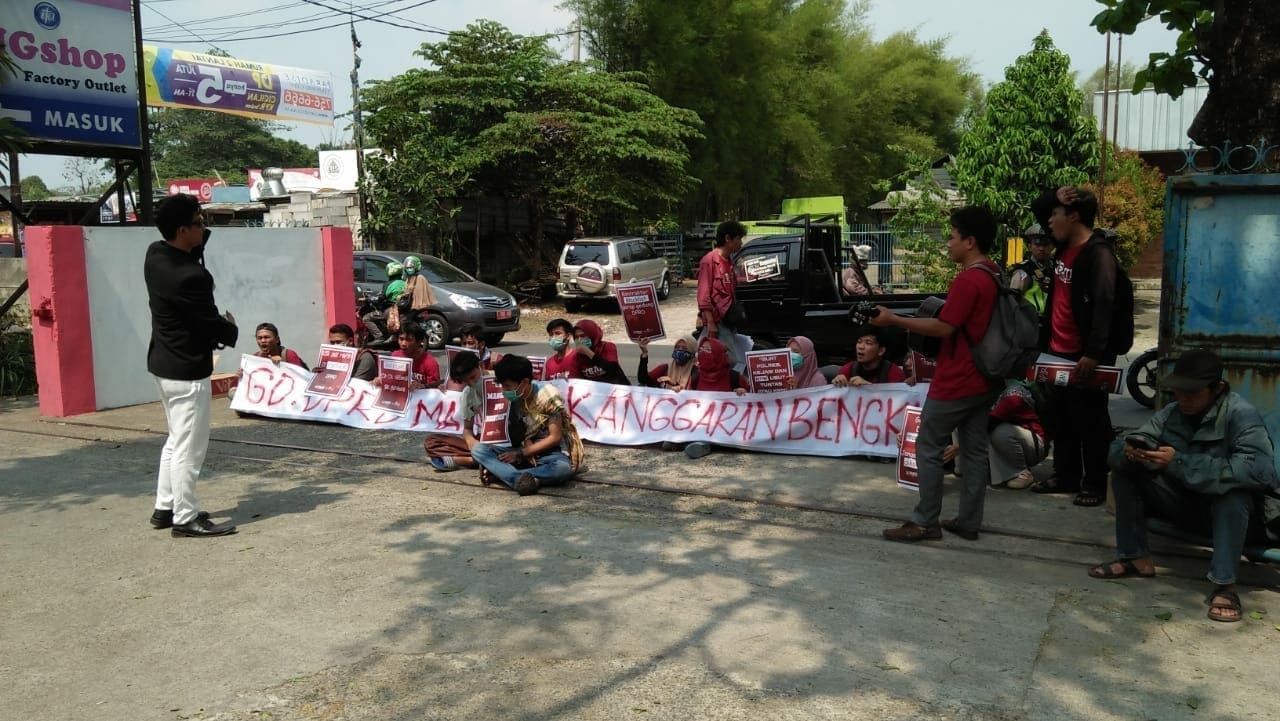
x: 77, y: 79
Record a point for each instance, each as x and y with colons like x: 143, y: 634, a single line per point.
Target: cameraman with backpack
x: 1089, y: 319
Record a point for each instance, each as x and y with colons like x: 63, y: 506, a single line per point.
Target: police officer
x: 1032, y: 275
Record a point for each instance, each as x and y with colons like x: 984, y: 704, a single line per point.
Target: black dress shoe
x: 164, y: 519
x: 201, y: 528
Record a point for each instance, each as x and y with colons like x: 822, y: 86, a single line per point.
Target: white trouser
x: 186, y: 411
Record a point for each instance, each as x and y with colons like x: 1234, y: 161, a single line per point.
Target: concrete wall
x: 261, y: 274
x: 340, y: 209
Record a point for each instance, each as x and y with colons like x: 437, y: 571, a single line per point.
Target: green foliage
x: 1033, y: 135
x: 798, y: 97
x: 34, y: 188
x: 496, y: 114
x: 202, y: 144
x: 1133, y: 204
x: 1167, y: 72
x: 921, y: 227
x: 17, y: 357
x: 1093, y: 84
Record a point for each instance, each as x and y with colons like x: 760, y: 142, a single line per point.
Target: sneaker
x: 697, y: 449
x: 1022, y: 480
x: 910, y: 533
x: 444, y: 465
x: 527, y: 485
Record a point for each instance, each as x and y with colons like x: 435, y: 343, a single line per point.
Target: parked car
x: 590, y: 268
x: 462, y: 298
x: 787, y: 286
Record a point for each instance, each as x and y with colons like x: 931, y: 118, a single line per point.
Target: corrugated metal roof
x: 1150, y: 121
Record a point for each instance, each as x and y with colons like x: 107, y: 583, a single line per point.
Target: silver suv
x: 591, y: 267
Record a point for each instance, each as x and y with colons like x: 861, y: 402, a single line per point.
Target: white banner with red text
x: 825, y: 421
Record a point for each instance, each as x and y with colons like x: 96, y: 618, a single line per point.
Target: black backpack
x: 1011, y: 343
x: 1121, y: 338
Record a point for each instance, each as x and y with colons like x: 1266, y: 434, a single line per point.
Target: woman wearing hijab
x: 675, y: 375
x: 804, y: 362
x: 416, y: 287
x: 597, y: 357
x: 269, y: 346
x: 713, y: 373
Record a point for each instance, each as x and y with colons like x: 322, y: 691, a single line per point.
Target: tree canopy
x: 1032, y: 135
x: 1231, y: 45
x: 797, y: 97
x: 201, y: 144
x: 495, y: 113
x: 34, y: 188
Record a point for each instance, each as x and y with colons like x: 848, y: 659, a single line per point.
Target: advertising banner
x: 826, y: 421
x: 76, y: 80
x: 769, y: 370
x: 639, y: 305
x: 197, y: 81
x: 201, y: 188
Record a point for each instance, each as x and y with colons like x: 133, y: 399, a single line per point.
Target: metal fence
x: 671, y: 247
x: 888, y: 266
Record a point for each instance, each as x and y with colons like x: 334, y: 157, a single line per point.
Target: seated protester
x: 597, y: 357
x: 561, y: 363
x: 713, y: 374
x: 1019, y: 437
x: 545, y: 449
x: 426, y: 371
x: 805, y: 364
x: 473, y: 340
x: 869, y: 365
x: 269, y: 346
x: 1204, y: 464
x: 675, y: 375
x: 449, y: 452
x: 366, y: 365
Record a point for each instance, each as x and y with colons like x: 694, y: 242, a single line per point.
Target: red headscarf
x: 713, y: 366
x: 808, y: 375
x: 599, y: 346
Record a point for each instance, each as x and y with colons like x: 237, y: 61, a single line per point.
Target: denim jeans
x: 552, y: 468
x: 937, y: 421
x: 1225, y: 518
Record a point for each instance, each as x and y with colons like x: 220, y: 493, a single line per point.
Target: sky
x: 990, y: 34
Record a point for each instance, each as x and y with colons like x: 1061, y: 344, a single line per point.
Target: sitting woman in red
x: 269, y: 346
x: 713, y: 373
x: 675, y: 375
x: 597, y: 358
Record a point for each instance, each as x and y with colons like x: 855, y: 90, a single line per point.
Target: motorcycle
x: 1142, y: 378
x: 373, y: 303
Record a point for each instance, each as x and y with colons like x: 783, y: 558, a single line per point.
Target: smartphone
x: 1142, y: 441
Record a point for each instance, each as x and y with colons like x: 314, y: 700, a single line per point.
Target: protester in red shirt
x: 597, y: 358
x: 959, y: 397
x: 562, y: 363
x: 869, y: 366
x: 269, y: 346
x: 717, y: 289
x: 413, y: 344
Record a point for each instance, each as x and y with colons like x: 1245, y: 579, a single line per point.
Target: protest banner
x: 824, y: 421
x: 908, y: 470
x: 761, y: 268
x: 920, y: 366
x: 539, y: 364
x: 333, y: 372
x: 638, y: 303
x: 769, y: 370
x: 493, y: 429
x: 1061, y: 372
x: 394, y: 374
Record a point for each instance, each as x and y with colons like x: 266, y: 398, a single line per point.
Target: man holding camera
x: 185, y: 330
x: 1204, y: 464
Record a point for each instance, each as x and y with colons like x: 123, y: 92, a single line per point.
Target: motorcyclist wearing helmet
x: 1032, y: 275
x: 375, y: 321
x: 417, y: 295
x: 394, y: 286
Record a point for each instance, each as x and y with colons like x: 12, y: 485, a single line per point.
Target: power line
x: 354, y: 14
x: 166, y: 17
x: 232, y: 33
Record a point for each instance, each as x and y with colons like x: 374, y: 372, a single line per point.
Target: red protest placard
x: 908, y: 471
x: 769, y: 370
x: 639, y: 305
x: 333, y: 372
x: 493, y: 428
x: 394, y: 375
x: 1057, y: 373
x: 539, y: 364
x: 923, y: 368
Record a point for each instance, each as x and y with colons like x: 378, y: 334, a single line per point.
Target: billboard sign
x: 76, y: 80
x: 201, y: 188
x: 182, y: 79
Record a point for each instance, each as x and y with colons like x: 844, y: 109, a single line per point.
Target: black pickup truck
x: 788, y: 285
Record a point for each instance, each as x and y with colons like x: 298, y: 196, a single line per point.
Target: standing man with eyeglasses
x: 185, y: 330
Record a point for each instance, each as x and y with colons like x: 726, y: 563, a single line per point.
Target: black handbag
x: 735, y: 316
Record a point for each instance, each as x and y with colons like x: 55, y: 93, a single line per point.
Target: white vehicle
x: 590, y: 268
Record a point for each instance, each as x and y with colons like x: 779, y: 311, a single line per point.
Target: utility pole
x: 577, y: 40
x: 357, y: 129
x: 15, y: 199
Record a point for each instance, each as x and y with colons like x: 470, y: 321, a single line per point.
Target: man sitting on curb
x: 870, y: 365
x: 545, y: 449
x: 1208, y: 466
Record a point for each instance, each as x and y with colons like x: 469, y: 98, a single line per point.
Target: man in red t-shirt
x: 869, y: 366
x: 562, y: 363
x: 1081, y: 315
x: 426, y: 371
x: 959, y: 397
x: 717, y: 289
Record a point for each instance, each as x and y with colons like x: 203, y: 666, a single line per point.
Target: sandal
x: 1088, y: 499
x: 1224, y: 599
x: 1127, y: 569
x: 486, y: 478
x: 1053, y: 485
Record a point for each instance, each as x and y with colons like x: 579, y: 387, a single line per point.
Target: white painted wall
x: 261, y: 274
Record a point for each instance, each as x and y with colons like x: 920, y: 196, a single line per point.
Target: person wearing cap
x: 1032, y: 276
x: 1212, y: 473
x: 854, y: 281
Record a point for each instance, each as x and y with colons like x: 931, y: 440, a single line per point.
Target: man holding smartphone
x: 1204, y: 464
